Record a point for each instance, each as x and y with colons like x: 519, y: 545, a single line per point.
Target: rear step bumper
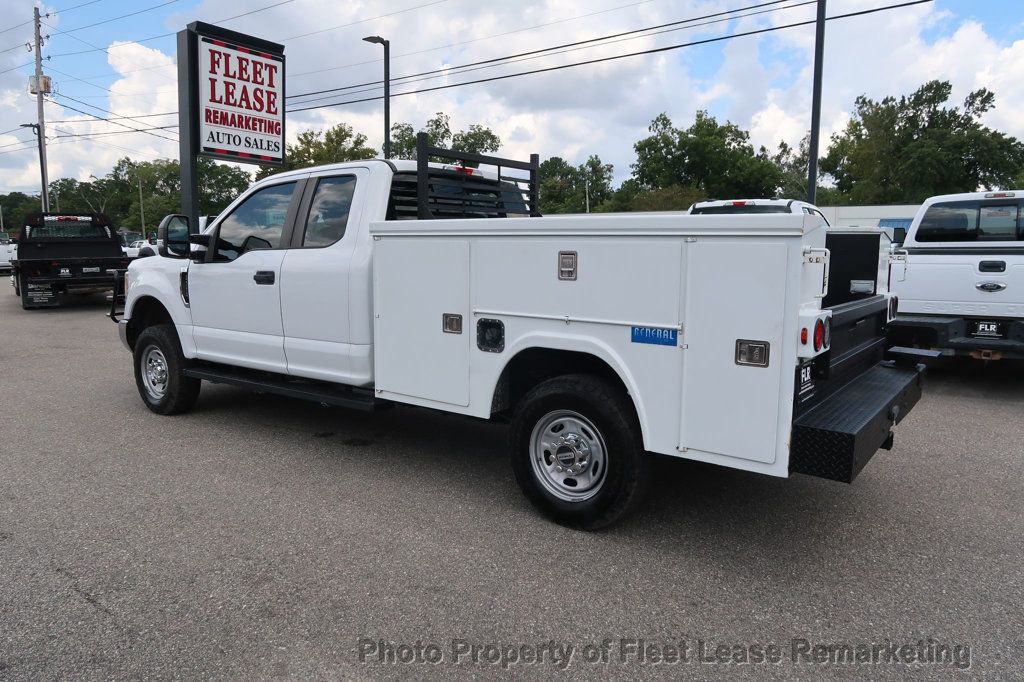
x: 836, y: 438
x: 951, y: 333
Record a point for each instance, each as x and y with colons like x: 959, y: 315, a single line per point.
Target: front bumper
x: 951, y: 333
x: 837, y: 437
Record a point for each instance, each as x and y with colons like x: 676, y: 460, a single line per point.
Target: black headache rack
x: 461, y: 190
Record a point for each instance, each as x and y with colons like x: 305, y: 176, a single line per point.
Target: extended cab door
x: 235, y: 294
x: 326, y: 267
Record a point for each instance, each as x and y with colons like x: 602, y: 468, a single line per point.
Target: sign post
x: 230, y: 103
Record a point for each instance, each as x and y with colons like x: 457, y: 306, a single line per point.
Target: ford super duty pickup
x: 601, y: 338
x: 60, y: 254
x: 959, y: 277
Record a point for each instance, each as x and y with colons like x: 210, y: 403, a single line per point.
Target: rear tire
x: 160, y: 372
x: 577, y: 452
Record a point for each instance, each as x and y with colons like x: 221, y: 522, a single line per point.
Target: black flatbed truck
x: 59, y: 254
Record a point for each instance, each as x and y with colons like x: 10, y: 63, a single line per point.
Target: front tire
x: 160, y: 372
x: 577, y: 452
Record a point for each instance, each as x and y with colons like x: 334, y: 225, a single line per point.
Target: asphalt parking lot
x: 262, y: 537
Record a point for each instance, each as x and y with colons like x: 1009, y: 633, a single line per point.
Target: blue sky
x: 761, y: 83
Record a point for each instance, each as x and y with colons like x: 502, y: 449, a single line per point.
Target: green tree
x: 905, y: 150
x: 316, y: 147
x: 558, y: 182
x: 793, y: 165
x: 476, y: 139
x: 716, y: 159
x: 564, y: 187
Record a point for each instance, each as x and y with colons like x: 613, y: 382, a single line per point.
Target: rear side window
x: 970, y: 221
x: 328, y: 214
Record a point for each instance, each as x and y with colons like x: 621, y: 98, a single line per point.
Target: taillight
x: 828, y: 332
x: 803, y: 336
x: 819, y: 335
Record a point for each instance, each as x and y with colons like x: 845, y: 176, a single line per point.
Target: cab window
x: 328, y: 212
x: 970, y: 221
x: 257, y: 223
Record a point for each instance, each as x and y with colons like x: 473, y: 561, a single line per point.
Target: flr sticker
x: 655, y: 336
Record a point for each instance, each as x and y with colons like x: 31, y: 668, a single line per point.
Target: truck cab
x: 959, y: 277
x: 600, y: 338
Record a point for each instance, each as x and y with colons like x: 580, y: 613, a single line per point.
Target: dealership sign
x: 241, y: 101
x: 231, y: 95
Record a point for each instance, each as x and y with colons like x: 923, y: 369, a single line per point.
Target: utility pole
x: 588, y: 194
x: 819, y: 50
x: 41, y: 124
x: 142, y: 209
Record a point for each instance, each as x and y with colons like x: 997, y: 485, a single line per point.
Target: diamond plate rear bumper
x: 836, y: 438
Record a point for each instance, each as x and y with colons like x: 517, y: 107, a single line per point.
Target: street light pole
x: 387, y: 90
x: 819, y: 50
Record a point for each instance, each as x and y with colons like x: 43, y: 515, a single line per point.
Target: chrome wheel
x: 154, y: 373
x: 568, y: 455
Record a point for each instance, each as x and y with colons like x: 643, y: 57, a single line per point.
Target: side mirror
x: 172, y: 237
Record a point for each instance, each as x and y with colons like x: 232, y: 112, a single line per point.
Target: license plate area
x: 987, y: 329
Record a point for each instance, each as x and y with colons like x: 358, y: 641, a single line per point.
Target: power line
x: 20, y: 66
x: 122, y: 16
x: 17, y: 142
x: 254, y: 11
x: 114, y: 132
x: 114, y: 146
x: 621, y: 56
x: 540, y: 52
x: 11, y: 28
x: 69, y: 9
x: 167, y: 35
x: 100, y: 118
x: 473, y: 40
x: 14, y: 47
x: 363, y: 21
x: 116, y: 118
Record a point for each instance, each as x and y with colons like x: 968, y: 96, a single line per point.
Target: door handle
x: 992, y: 266
x: 263, y: 277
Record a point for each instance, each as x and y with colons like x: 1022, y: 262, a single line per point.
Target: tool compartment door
x: 735, y: 293
x: 416, y: 282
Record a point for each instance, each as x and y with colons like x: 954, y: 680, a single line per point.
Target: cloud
x: 762, y: 83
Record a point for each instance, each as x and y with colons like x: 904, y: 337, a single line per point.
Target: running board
x: 321, y: 392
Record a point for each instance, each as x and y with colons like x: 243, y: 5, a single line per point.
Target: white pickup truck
x: 602, y: 338
x: 960, y: 277
x: 6, y: 252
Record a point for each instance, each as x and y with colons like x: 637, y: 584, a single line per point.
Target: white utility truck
x: 602, y: 338
x: 960, y: 277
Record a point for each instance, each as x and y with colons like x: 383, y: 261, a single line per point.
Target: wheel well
x: 147, y: 312
x: 534, y: 365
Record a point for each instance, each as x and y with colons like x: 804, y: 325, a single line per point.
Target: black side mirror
x: 172, y: 236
